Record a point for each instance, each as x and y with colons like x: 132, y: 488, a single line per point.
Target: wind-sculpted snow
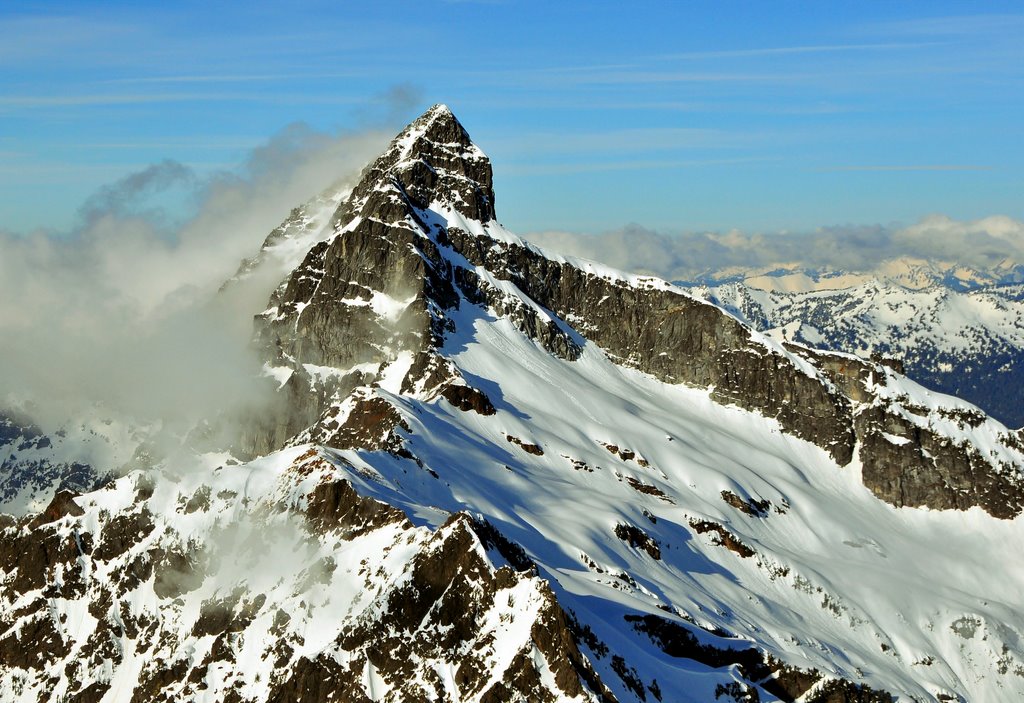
x: 500, y: 475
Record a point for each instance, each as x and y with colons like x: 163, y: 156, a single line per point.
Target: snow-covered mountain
x: 496, y: 474
x: 964, y: 337
x: 80, y: 456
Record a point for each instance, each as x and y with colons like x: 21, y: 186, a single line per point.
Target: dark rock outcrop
x: 466, y: 398
x: 905, y: 464
x: 907, y: 461
x: 674, y: 337
x: 722, y: 537
x: 445, y: 607
x: 438, y: 610
x: 379, y: 287
x: 62, y: 504
x: 638, y: 539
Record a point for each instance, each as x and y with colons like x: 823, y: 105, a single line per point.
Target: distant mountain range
x: 955, y: 329
x: 904, y: 272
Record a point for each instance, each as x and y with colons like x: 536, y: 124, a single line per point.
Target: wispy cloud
x: 28, y: 38
x: 38, y: 101
x: 29, y: 102
x: 953, y: 26
x: 582, y: 102
x: 533, y: 169
x: 646, y: 70
x: 808, y: 49
x: 232, y: 77
x: 648, y: 76
x: 50, y: 173
x: 197, y: 142
x: 132, y: 315
x: 226, y: 78
x: 907, y: 167
x: 632, y: 141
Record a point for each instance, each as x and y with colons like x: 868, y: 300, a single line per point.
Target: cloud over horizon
x: 686, y: 256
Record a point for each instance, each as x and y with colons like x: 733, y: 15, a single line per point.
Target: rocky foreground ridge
x: 499, y: 475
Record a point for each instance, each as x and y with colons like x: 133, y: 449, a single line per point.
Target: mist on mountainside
x: 124, y: 312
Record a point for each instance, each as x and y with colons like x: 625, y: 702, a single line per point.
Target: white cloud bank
x: 981, y: 244
x: 124, y: 310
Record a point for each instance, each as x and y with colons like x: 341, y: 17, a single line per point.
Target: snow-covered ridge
x: 81, y: 455
x: 248, y: 581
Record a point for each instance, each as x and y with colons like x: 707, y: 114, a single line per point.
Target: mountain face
x: 964, y: 340
x: 494, y: 474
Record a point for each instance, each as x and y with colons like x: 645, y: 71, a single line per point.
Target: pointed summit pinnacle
x: 438, y: 112
x: 432, y: 163
x: 439, y: 125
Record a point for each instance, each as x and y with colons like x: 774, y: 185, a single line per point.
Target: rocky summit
x: 496, y: 474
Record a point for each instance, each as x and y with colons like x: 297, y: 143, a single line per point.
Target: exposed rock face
x: 906, y: 464
x: 379, y: 287
x: 673, y: 337
x: 907, y: 458
x: 382, y: 288
x: 62, y: 504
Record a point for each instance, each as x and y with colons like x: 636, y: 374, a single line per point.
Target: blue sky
x: 675, y: 116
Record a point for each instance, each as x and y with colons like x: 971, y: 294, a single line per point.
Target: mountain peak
x: 439, y: 114
x: 437, y: 126
x: 439, y: 163
x: 432, y: 162
x: 504, y: 475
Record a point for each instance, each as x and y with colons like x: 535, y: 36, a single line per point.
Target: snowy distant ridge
x: 962, y: 340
